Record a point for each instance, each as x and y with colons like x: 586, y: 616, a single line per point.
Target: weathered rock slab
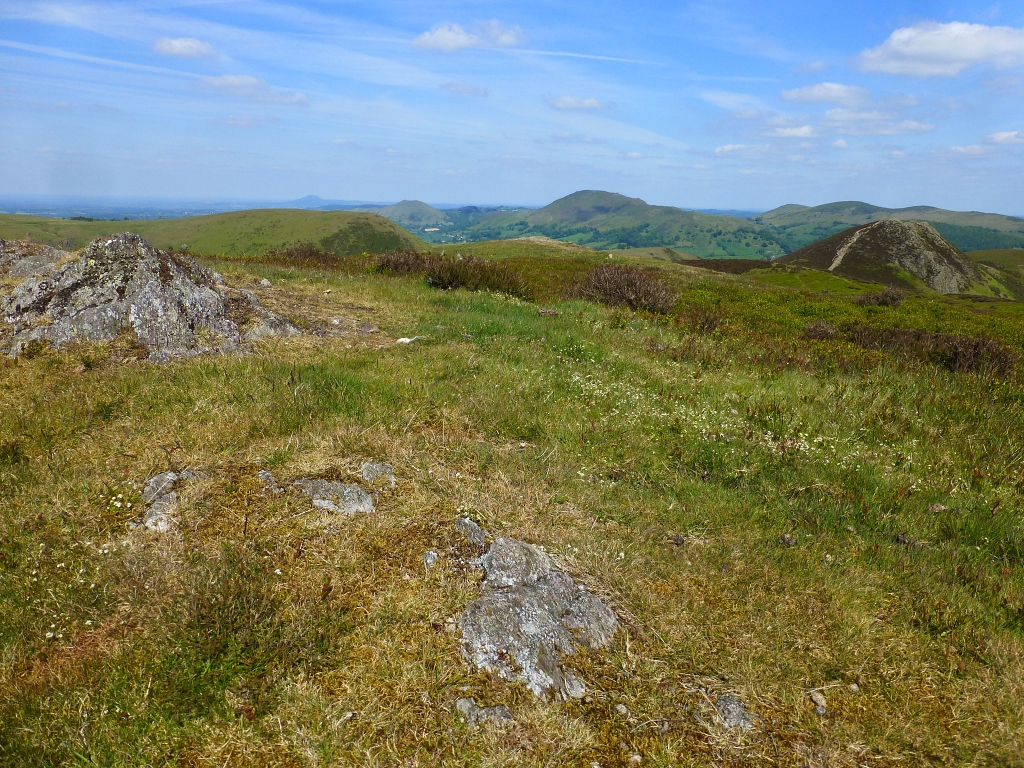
x: 530, y: 617
x: 175, y: 307
x: 336, y: 497
x: 474, y: 715
x: 161, y: 501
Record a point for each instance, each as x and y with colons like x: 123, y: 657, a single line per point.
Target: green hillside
x: 606, y: 220
x: 798, y: 225
x: 241, y: 233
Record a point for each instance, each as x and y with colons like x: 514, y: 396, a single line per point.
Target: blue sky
x: 731, y: 104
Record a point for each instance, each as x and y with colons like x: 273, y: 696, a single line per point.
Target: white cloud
x: 739, y: 149
x: 740, y: 104
x: 1006, y: 137
x: 449, y: 37
x: 797, y: 132
x: 575, y: 102
x: 972, y: 150
x: 185, y: 47
x: 254, y: 89
x: 831, y: 93
x: 840, y: 144
x: 635, y: 155
x: 871, y: 122
x: 464, y: 89
x: 930, y: 49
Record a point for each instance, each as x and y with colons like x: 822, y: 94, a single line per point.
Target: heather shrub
x: 619, y: 285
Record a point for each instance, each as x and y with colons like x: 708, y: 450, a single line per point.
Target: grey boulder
x: 336, y: 497
x: 530, y: 616
x: 175, y: 307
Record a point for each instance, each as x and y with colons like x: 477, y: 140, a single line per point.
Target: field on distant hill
x: 791, y: 499
x: 244, y: 232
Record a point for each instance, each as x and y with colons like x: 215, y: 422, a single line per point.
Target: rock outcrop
x: 341, y: 498
x: 530, y: 616
x: 890, y: 251
x: 175, y: 307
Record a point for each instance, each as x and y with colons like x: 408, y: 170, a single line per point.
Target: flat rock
x: 733, y: 712
x: 472, y: 532
x: 161, y: 501
x: 336, y: 497
x: 175, y: 307
x: 376, y: 472
x: 530, y: 616
x: 475, y: 715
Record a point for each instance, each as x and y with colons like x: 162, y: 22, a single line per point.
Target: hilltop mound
x: 175, y: 307
x: 894, y: 252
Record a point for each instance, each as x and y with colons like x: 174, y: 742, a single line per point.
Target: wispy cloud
x: 931, y: 49
x: 872, y: 122
x: 829, y: 93
x: 464, y: 89
x: 185, y: 47
x: 449, y: 37
x: 1006, y: 137
x: 796, y: 132
x: 575, y: 102
x: 739, y: 149
x: 253, y: 89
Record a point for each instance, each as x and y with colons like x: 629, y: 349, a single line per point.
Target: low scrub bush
x: 475, y: 274
x: 403, y: 263
x: 890, y: 297
x: 701, y: 319
x: 618, y: 285
x: 966, y: 354
x: 819, y: 330
x: 305, y: 254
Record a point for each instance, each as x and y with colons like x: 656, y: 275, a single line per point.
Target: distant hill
x: 244, y: 232
x: 907, y: 254
x: 800, y: 225
x: 607, y: 220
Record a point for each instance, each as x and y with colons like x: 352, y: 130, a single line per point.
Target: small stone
x: 407, y: 340
x: 546, y: 312
x: 621, y: 710
x: 733, y: 712
x: 473, y: 533
x: 820, y: 711
x: 374, y: 471
x: 266, y: 477
x: 475, y: 715
x: 854, y: 688
x: 367, y: 328
x: 818, y: 698
x: 787, y: 540
x: 635, y: 759
x: 904, y: 539
x: 430, y: 558
x: 935, y: 508
x: 850, y: 529
x: 664, y: 728
x: 336, y: 497
x: 264, y: 283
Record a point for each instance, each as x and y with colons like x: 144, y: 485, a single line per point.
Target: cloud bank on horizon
x: 720, y: 105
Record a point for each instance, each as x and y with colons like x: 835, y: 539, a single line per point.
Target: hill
x: 800, y: 225
x: 607, y: 220
x: 908, y: 254
x: 803, y: 512
x: 244, y: 232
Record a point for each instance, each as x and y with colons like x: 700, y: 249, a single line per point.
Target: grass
x: 261, y: 634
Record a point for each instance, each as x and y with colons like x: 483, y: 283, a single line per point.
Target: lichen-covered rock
x: 473, y: 533
x: 21, y: 258
x: 733, y: 712
x: 530, y: 616
x: 336, y: 497
x: 378, y: 473
x: 175, y: 306
x: 161, y: 501
x: 474, y: 714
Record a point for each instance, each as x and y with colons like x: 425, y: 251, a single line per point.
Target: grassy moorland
x: 659, y: 458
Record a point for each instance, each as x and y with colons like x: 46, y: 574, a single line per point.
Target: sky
x: 728, y: 104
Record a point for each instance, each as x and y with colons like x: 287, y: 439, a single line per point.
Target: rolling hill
x: 606, y: 220
x: 800, y: 225
x: 244, y: 232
